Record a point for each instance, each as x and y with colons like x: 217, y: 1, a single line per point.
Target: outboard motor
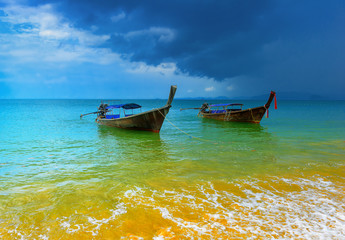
x: 102, y: 109
x: 204, y: 107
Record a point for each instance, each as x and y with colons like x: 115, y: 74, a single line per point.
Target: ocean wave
x: 269, y: 208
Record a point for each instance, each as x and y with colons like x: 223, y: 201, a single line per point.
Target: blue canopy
x: 125, y: 106
x: 225, y: 104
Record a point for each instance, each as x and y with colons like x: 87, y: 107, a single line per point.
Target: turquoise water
x: 63, y: 177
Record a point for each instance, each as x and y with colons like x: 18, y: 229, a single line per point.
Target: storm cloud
x: 285, y: 44
x: 219, y: 39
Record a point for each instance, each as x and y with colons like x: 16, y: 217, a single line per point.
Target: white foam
x: 314, y: 210
x: 71, y: 228
x: 119, y: 210
x: 133, y: 192
x: 43, y: 237
x: 158, y: 238
x: 201, y: 230
x: 309, y: 212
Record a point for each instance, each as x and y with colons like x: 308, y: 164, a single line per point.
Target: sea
x: 62, y: 177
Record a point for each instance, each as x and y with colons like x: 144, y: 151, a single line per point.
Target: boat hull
x: 147, y: 121
x: 251, y: 115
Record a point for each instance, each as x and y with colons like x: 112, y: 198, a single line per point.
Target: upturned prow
x: 272, y: 95
x: 172, y: 94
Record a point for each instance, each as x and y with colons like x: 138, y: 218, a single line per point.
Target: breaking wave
x: 274, y: 208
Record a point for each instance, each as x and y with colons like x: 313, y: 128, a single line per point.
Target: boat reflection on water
x: 135, y: 157
x: 233, y: 126
x: 234, y: 130
x: 138, y: 144
x: 245, y: 147
x: 225, y: 149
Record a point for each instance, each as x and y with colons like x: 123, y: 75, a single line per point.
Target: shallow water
x: 66, y: 178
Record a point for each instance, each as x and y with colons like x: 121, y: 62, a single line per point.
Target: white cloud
x: 163, y: 34
x: 45, y: 35
x: 118, y: 17
x: 166, y: 69
x: 54, y: 34
x: 210, y: 89
x: 49, y: 50
x: 83, y: 55
x: 42, y: 20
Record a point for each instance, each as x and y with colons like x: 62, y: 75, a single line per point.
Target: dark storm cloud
x: 206, y: 38
x: 291, y: 40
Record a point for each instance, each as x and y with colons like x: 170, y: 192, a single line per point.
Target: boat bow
x: 272, y: 95
x: 171, y: 94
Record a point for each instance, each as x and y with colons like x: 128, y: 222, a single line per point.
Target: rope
x: 227, y: 116
x: 206, y: 140
x: 266, y: 110
x: 252, y: 114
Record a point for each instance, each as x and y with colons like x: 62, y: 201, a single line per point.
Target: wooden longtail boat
x: 148, y: 121
x: 234, y: 113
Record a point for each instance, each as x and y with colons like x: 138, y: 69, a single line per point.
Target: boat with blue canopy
x: 233, y: 112
x: 114, y: 111
x: 225, y: 107
x: 130, y: 116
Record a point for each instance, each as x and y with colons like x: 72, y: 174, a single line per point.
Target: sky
x: 137, y: 48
